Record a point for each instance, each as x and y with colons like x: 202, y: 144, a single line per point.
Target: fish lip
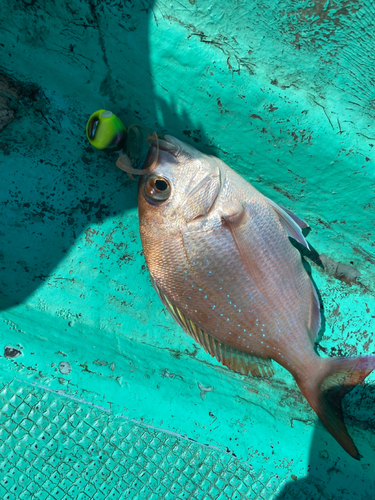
x: 169, y: 154
x: 166, y: 146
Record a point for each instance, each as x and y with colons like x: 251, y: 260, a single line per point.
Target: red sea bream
x: 220, y: 258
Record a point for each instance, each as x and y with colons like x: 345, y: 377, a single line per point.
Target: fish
x: 221, y: 260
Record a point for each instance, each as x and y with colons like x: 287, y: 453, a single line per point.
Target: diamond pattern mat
x: 52, y: 447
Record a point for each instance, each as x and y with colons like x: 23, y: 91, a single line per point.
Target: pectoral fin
x: 239, y: 222
x: 302, y: 224
x: 233, y: 359
x: 291, y: 223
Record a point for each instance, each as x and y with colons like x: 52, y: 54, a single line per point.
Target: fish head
x: 181, y: 184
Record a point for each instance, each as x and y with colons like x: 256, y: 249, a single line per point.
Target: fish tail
x: 325, y: 390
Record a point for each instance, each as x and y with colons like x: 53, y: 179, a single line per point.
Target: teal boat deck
x: 103, y: 396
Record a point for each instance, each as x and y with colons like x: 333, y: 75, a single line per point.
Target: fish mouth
x: 173, y: 149
x: 160, y: 151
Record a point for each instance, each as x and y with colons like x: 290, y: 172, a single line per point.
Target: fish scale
x: 219, y: 242
x: 220, y: 258
x: 173, y: 270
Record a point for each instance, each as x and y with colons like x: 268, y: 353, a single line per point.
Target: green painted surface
x: 282, y: 92
x: 57, y: 448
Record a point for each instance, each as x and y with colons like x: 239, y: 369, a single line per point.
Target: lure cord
x: 126, y: 161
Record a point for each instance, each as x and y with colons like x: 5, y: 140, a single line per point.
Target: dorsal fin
x: 292, y: 225
x: 302, y: 223
x: 315, y: 320
x: 233, y: 359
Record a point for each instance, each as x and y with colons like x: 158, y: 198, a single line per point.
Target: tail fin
x: 327, y: 388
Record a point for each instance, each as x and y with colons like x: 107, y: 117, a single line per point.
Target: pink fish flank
x: 220, y: 258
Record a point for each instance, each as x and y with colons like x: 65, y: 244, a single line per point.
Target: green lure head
x: 105, y: 130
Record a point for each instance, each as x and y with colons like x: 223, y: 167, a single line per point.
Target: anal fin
x: 233, y: 359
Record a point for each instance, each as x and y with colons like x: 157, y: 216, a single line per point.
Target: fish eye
x: 161, y: 184
x: 157, y: 189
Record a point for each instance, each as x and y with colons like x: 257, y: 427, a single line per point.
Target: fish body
x: 220, y: 258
